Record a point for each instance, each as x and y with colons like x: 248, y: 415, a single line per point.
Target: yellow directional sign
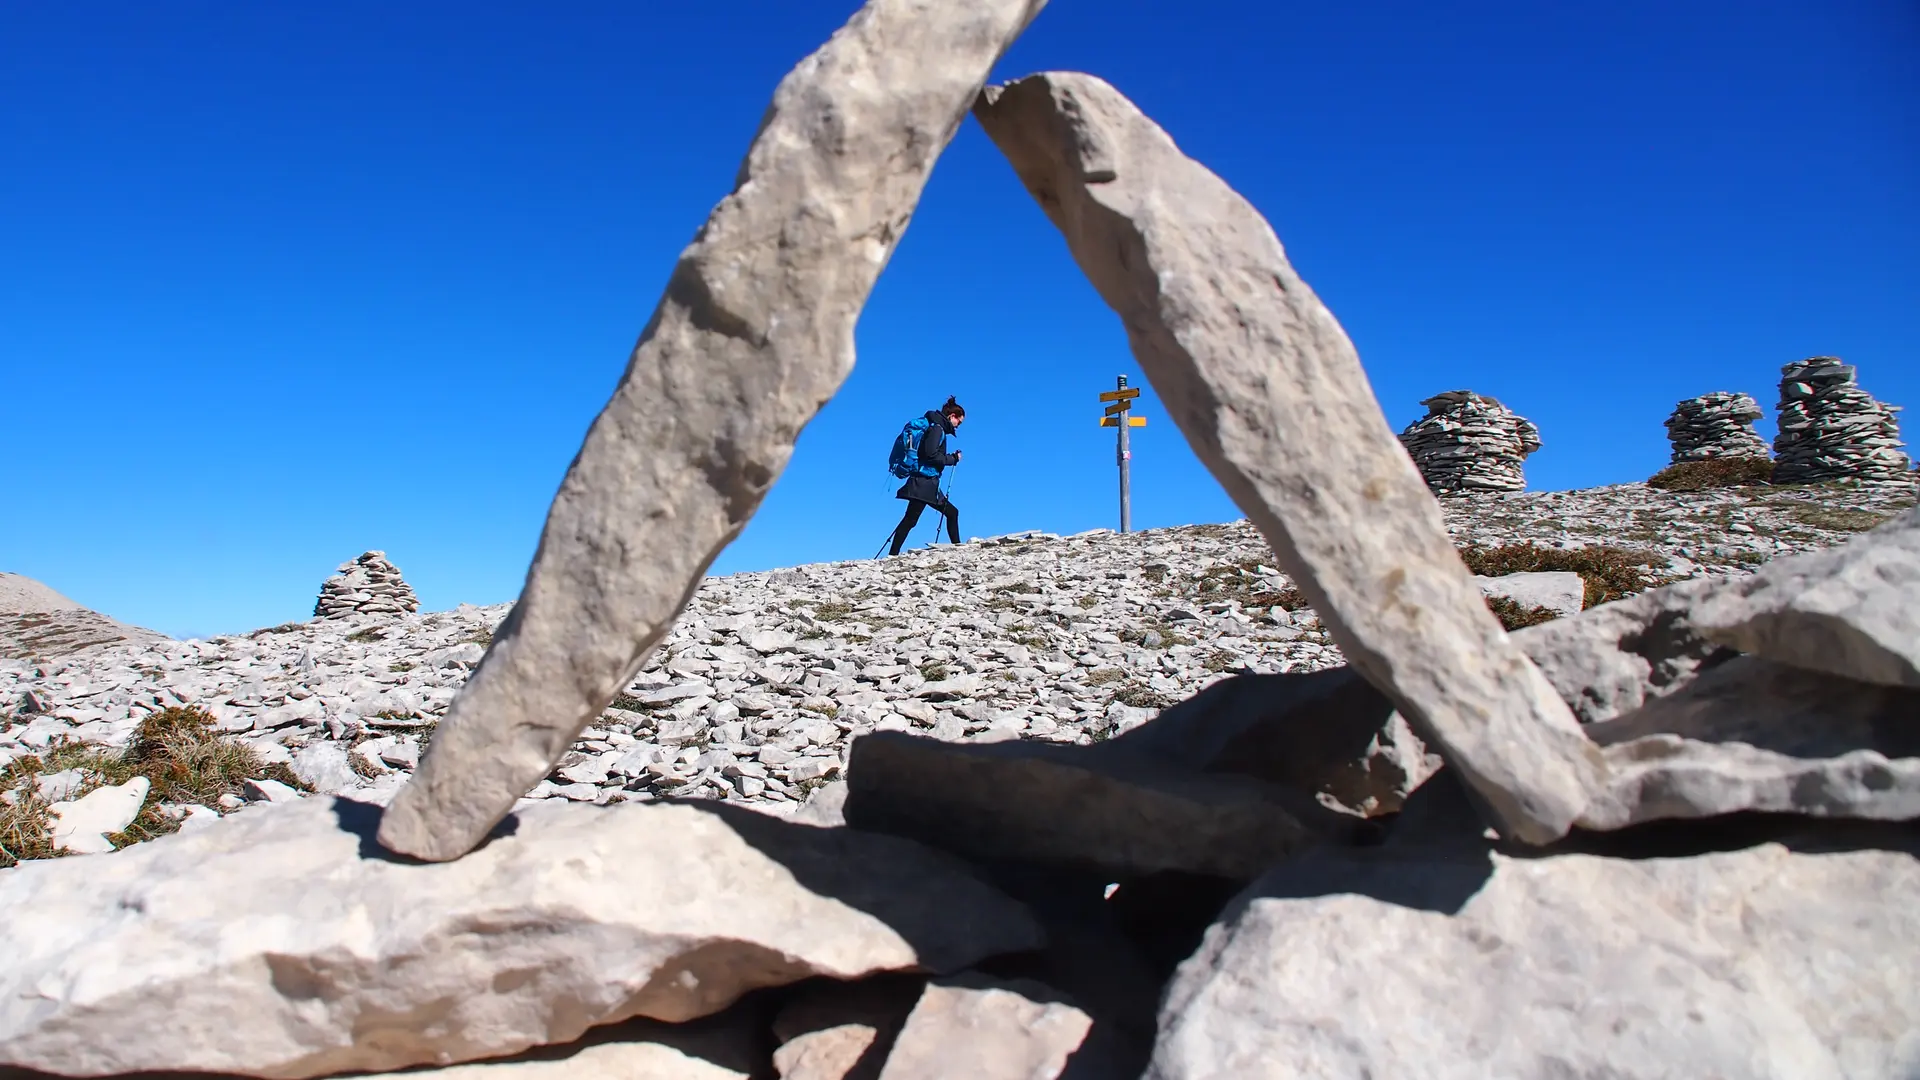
x: 1132, y: 421
x: 1120, y: 395
x: 1118, y: 407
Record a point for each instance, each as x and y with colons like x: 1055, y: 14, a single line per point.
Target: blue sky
x: 285, y: 282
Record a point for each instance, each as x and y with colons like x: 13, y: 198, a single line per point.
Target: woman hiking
x: 920, y: 455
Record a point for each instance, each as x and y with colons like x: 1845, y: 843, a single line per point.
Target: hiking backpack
x: 904, y: 460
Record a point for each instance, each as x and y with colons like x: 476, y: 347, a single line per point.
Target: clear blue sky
x: 286, y: 282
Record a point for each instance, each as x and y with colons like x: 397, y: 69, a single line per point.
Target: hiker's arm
x: 933, y: 449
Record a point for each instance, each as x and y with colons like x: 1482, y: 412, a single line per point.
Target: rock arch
x: 755, y: 334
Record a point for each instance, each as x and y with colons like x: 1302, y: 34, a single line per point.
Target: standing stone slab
x: 284, y: 943
x: 754, y: 334
x: 1462, y: 964
x: 1266, y: 387
x: 1853, y: 610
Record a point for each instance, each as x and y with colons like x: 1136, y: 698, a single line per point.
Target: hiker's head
x: 953, y: 411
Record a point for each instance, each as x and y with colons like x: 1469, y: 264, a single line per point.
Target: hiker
x: 920, y: 456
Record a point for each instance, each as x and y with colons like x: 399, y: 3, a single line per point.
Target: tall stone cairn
x: 1470, y: 443
x: 1831, y: 429
x: 1716, y: 425
x: 369, y: 585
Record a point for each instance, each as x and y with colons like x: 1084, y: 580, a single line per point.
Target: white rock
x: 81, y: 826
x: 973, y: 1027
x: 578, y: 916
x: 1559, y: 591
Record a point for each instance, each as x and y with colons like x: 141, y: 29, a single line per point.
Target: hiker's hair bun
x: 953, y: 408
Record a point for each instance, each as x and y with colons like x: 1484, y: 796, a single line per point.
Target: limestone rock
x: 1832, y: 429
x: 283, y: 943
x: 842, y: 1031
x: 1611, y: 659
x: 81, y: 826
x: 1853, y: 610
x: 1751, y: 735
x: 1060, y: 805
x: 1767, y: 962
x: 1327, y: 733
x: 1468, y: 442
x: 635, y: 1050
x: 368, y: 585
x: 1716, y: 425
x: 754, y: 333
x: 974, y: 1027
x: 1560, y: 591
x: 1268, y: 390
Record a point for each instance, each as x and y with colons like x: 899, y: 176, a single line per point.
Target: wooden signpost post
x: 1119, y: 416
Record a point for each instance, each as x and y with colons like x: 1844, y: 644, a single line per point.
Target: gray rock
x: 1559, y: 591
x: 1611, y: 659
x: 1468, y: 442
x: 754, y: 333
x: 1270, y: 393
x: 1831, y: 429
x: 1327, y: 732
x: 574, y: 916
x: 1853, y: 610
x: 1752, y: 735
x: 324, y: 765
x: 975, y: 1027
x: 1767, y: 962
x: 1061, y: 805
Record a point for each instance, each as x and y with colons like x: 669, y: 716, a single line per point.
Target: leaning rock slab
x: 754, y: 334
x: 1765, y: 962
x: 1060, y: 805
x: 285, y: 944
x: 1853, y: 610
x: 1270, y: 393
x: 973, y: 1027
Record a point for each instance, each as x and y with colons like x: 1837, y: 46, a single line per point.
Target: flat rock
x: 1612, y: 659
x: 842, y: 1031
x: 1559, y: 591
x: 1853, y: 610
x: 1766, y: 962
x: 1753, y: 735
x: 215, y: 950
x: 978, y: 1028
x: 753, y: 335
x: 1271, y: 395
x: 81, y: 826
x: 1061, y: 805
x: 1326, y: 732
x: 634, y: 1050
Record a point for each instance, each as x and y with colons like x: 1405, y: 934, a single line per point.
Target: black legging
x: 912, y: 518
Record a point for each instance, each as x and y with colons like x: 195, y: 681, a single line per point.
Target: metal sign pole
x: 1126, y: 458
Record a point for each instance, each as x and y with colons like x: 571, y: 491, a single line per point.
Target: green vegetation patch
x: 1713, y: 473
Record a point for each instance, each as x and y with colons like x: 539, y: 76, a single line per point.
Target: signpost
x: 1119, y: 416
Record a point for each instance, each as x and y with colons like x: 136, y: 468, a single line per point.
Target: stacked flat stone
x: 1831, y: 429
x: 369, y: 585
x: 1716, y: 425
x: 1470, y: 443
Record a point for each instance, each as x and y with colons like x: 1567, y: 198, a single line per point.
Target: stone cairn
x: 1470, y: 443
x: 1716, y: 425
x: 369, y: 585
x: 1831, y: 429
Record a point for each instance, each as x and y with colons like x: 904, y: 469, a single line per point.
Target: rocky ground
x: 767, y: 677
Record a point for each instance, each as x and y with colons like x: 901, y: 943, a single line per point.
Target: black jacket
x: 933, y: 451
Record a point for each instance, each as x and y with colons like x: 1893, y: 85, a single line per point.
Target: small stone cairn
x: 369, y: 585
x: 1470, y: 443
x: 1716, y: 425
x: 1831, y: 429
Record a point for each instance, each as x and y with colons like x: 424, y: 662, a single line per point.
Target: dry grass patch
x: 1513, y: 616
x: 1713, y: 473
x: 1837, y: 519
x: 1610, y: 573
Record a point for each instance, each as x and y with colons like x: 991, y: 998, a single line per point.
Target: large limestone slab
x: 974, y: 1027
x: 1063, y: 806
x: 1853, y: 610
x: 754, y: 334
x: 1270, y: 393
x: 285, y: 943
x: 1612, y: 659
x: 1562, y: 592
x: 1753, y: 735
x: 1767, y: 962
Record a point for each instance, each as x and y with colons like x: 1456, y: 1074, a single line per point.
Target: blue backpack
x: 904, y: 460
